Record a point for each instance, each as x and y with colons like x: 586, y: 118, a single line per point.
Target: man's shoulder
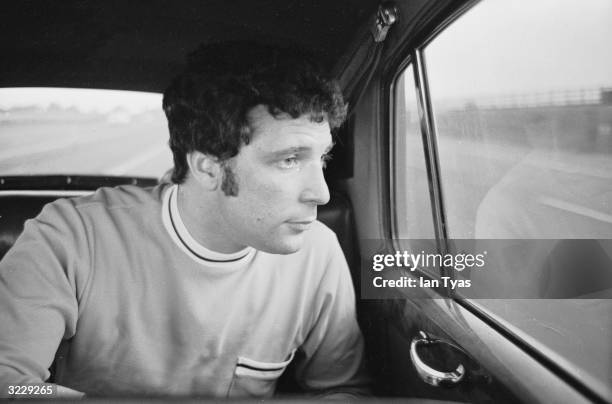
x: 123, y: 196
x: 104, y: 199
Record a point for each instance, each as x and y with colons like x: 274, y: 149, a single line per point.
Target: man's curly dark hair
x: 207, y: 104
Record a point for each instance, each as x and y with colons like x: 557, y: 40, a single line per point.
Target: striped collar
x: 180, y: 235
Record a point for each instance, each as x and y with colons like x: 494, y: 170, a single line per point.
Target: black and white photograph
x: 306, y: 200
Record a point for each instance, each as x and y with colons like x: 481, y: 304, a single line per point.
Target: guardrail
x: 556, y: 98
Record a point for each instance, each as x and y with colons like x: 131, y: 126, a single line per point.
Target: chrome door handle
x: 427, y: 373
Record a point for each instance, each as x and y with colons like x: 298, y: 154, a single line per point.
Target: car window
x: 47, y: 131
x: 524, y: 119
x: 522, y: 115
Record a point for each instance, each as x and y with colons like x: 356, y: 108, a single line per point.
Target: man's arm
x: 39, y: 278
x: 334, y: 357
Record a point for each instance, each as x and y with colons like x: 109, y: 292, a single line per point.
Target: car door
x: 486, y: 133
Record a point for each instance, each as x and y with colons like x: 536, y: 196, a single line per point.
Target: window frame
x: 411, y: 52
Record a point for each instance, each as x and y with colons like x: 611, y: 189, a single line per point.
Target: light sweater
x: 142, y: 308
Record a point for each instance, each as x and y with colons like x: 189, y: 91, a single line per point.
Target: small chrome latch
x: 428, y: 374
x: 386, y: 16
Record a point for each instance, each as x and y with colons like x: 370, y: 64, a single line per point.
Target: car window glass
x: 411, y: 185
x: 522, y: 102
x: 48, y: 131
x: 413, y: 221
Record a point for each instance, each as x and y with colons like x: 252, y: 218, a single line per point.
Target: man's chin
x: 285, y: 245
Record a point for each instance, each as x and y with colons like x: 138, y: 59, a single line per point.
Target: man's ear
x: 205, y: 169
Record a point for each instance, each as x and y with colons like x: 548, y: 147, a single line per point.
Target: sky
x: 523, y: 46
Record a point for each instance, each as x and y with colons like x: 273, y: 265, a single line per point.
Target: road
x: 86, y: 148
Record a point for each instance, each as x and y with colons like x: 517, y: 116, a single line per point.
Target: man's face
x: 279, y: 181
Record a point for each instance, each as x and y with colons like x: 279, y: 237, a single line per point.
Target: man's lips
x: 305, y: 221
x: 300, y: 225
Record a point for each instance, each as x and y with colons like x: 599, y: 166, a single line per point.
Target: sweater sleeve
x: 40, y: 281
x: 333, y: 363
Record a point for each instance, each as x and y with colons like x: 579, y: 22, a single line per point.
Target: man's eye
x: 289, y: 162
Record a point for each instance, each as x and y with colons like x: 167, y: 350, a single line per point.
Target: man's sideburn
x: 229, y: 183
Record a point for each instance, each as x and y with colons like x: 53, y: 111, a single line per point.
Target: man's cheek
x: 272, y: 200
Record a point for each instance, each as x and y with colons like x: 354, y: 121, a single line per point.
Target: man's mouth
x: 300, y: 225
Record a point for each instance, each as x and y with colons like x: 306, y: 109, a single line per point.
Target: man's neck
x: 200, y: 215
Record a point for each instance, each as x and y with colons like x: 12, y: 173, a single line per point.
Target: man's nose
x: 315, y: 190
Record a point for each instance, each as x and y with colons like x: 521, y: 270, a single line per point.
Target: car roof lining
x: 140, y: 45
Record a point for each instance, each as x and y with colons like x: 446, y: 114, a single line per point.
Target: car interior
x: 438, y: 345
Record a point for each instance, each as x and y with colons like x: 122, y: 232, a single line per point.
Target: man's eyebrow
x: 289, y: 150
x: 298, y: 149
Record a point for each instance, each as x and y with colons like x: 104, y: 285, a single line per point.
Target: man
x: 211, y: 285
